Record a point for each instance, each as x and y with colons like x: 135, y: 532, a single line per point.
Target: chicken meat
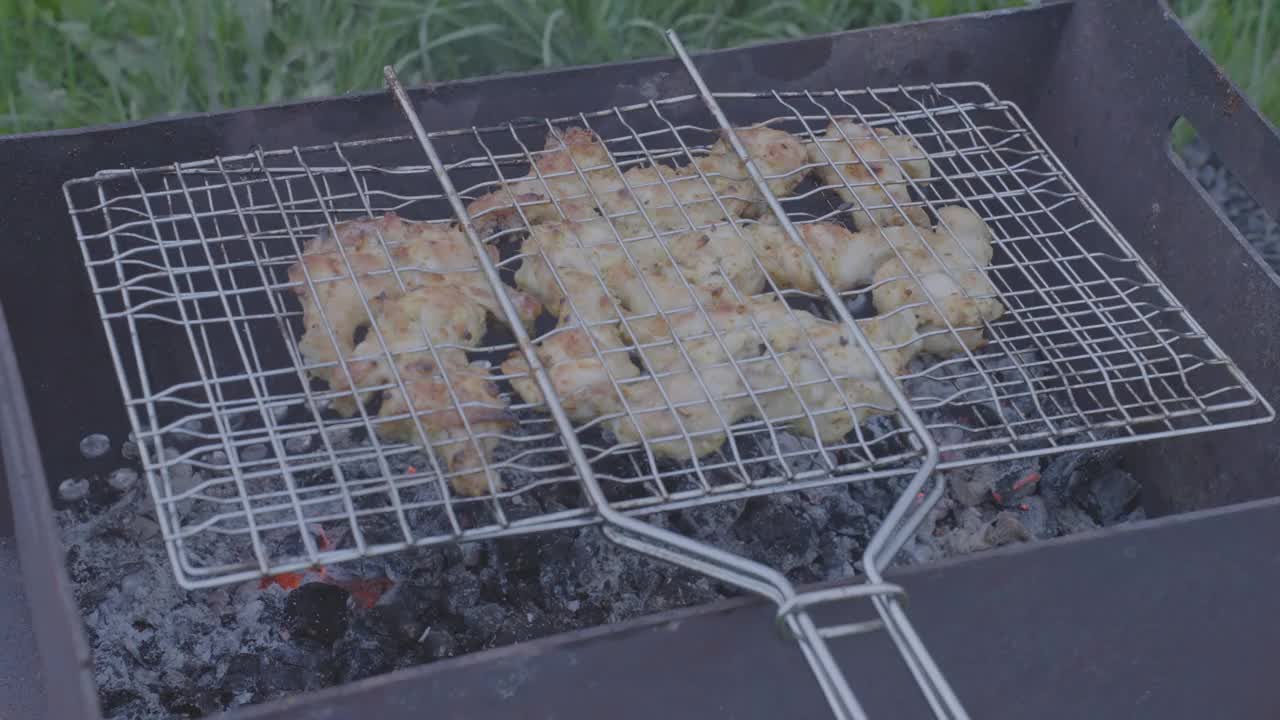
x: 420, y: 301
x: 576, y: 177
x: 766, y: 360
x: 945, y: 280
x: 872, y: 170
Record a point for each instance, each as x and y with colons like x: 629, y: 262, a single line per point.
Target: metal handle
x: 903, y: 519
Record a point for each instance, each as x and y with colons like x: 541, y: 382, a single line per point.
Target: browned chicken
x: 873, y: 171
x: 575, y: 177
x: 427, y: 304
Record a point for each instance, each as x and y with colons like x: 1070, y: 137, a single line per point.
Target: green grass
x: 69, y: 63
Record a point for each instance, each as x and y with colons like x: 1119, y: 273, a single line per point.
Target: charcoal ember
x: 1006, y: 529
x: 317, y: 611
x: 1109, y: 496
x: 1016, y: 483
x: 129, y: 450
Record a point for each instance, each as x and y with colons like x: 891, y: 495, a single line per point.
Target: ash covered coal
x: 160, y: 651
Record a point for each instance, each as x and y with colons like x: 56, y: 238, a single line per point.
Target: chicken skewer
x: 427, y: 326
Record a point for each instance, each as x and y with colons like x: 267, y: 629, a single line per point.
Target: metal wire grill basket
x: 247, y: 458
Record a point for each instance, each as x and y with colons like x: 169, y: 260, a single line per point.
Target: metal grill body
x: 1091, y: 350
x: 254, y: 474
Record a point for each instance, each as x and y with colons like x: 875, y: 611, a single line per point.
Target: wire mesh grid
x: 264, y: 456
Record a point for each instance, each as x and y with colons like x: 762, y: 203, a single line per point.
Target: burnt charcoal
x: 845, y: 515
x: 361, y: 657
x: 317, y: 611
x: 1109, y: 496
x: 121, y: 702
x: 241, y: 676
x: 473, y: 555
x: 780, y: 529
x: 194, y: 703
x: 878, y: 494
x: 463, y: 591
x: 295, y: 666
x: 81, y: 572
x: 439, y: 643
x: 406, y: 615
x: 1063, y: 473
x: 485, y: 621
x: 708, y: 520
x: 1071, y: 520
x: 1007, y: 528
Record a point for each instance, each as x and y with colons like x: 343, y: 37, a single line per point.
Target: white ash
x: 73, y: 489
x: 95, y: 446
x: 122, y: 479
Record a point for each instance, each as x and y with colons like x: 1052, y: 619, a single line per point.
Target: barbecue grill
x: 187, y: 267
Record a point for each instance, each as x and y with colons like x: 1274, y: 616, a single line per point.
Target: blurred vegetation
x: 70, y: 63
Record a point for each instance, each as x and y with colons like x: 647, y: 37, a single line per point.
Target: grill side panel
x: 1121, y: 157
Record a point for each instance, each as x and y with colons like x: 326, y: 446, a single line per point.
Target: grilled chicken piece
x: 950, y: 287
x: 671, y: 197
x: 584, y: 356
x: 427, y: 330
x: 870, y: 169
x: 715, y: 187
x: 554, y: 190
x: 429, y: 304
x: 783, y: 361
